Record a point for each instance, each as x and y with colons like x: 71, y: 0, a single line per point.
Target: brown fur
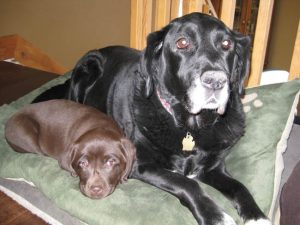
x: 86, y: 142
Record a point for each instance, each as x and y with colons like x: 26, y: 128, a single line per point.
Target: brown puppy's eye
x: 110, y: 162
x: 226, y: 44
x: 83, y: 164
x: 182, y: 43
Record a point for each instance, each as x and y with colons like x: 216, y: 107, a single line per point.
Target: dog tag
x: 188, y: 142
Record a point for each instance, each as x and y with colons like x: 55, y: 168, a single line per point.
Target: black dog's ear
x: 241, y: 61
x: 151, y: 56
x: 85, y: 74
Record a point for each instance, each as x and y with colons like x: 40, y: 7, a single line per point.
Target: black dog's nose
x: 214, y: 79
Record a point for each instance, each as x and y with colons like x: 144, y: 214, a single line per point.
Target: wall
x: 66, y: 29
x: 286, y: 15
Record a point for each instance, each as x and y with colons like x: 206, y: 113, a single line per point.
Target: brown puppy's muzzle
x: 97, y: 187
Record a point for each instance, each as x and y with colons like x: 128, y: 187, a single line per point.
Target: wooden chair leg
x: 295, y: 63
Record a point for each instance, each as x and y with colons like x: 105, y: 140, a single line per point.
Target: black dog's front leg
x: 186, y: 190
x: 237, y: 193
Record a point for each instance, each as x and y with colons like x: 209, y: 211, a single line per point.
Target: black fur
x: 126, y: 84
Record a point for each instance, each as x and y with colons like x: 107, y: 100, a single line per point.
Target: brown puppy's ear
x: 67, y: 158
x: 130, y: 156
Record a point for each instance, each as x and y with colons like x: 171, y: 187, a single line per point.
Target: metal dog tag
x: 188, y: 142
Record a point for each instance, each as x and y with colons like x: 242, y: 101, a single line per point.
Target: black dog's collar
x: 164, y: 102
x: 187, y: 142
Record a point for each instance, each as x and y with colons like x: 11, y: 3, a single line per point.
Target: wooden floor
x: 11, y: 213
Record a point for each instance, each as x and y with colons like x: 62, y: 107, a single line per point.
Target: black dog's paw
x: 226, y: 220
x: 258, y: 222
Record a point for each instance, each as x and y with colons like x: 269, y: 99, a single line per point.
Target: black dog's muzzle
x: 209, y: 91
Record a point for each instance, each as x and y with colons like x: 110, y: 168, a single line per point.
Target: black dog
x: 185, y: 85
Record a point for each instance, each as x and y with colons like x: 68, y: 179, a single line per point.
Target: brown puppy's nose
x: 96, y: 189
x: 214, y: 79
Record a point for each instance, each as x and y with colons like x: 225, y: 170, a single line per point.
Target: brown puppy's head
x: 102, y: 160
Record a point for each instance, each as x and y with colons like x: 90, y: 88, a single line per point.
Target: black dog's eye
x: 83, y: 163
x: 182, y: 43
x: 226, y: 44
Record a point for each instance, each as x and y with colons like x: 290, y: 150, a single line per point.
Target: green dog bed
x: 255, y: 161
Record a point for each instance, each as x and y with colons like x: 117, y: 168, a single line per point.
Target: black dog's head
x: 197, y: 62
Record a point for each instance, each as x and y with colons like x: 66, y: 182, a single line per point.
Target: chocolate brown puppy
x: 86, y: 142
